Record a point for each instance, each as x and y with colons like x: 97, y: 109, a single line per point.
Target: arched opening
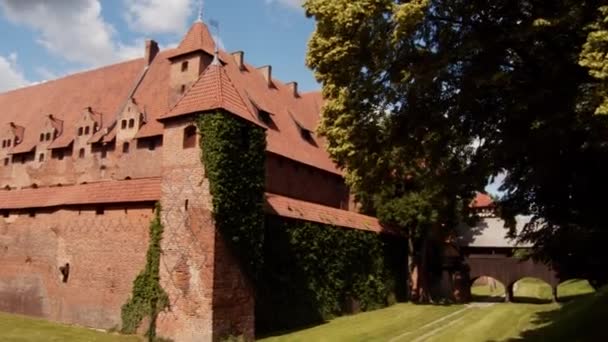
x: 41, y: 157
x: 487, y: 289
x: 41, y: 137
x: 123, y: 124
x: 87, y: 130
x: 532, y: 290
x: 80, y: 130
x: 189, y: 137
x: 48, y: 136
x: 81, y: 153
x: 131, y: 123
x: 573, y: 288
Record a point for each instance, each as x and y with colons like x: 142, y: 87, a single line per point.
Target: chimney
x: 151, y: 51
x: 239, y: 58
x: 293, y: 86
x: 267, y: 73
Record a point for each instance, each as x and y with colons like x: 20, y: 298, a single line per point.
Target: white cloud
x: 71, y: 29
x: 10, y: 76
x: 158, y: 16
x: 295, y: 4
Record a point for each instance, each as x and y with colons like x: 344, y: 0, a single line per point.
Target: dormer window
x: 306, y: 135
x: 184, y: 66
x: 123, y: 124
x: 80, y: 131
x: 265, y: 117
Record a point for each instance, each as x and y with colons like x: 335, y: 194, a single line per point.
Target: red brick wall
x: 105, y: 253
x: 292, y: 179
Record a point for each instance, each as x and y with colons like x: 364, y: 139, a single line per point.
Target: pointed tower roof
x: 213, y: 90
x: 198, y: 38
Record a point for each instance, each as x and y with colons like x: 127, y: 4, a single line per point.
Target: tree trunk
x: 418, y: 266
x: 412, y: 282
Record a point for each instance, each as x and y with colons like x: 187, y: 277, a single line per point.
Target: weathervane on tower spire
x: 200, y: 11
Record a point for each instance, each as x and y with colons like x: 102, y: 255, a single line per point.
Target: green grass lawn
x: 580, y: 319
x: 577, y: 320
x: 25, y: 329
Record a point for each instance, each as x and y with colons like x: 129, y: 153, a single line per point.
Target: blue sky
x: 43, y: 40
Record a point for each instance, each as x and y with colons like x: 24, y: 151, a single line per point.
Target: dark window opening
x: 34, y: 186
x: 65, y: 272
x: 86, y: 130
x: 152, y: 144
x: 131, y: 123
x: 41, y: 157
x: 99, y: 211
x: 306, y: 135
x: 48, y: 136
x: 183, y: 88
x: 60, y: 155
x: 189, y: 136
x: 8, y: 143
x: 123, y: 124
x: 266, y: 118
x: 186, y: 205
x: 6, y: 161
x: 184, y: 66
x: 41, y: 136
x: 104, y: 152
x: 79, y: 131
x: 81, y: 153
x: 3, y: 143
x: 125, y: 147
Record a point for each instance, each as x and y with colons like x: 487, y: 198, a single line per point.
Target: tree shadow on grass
x: 581, y: 320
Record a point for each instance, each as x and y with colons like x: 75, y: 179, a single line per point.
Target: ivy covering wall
x: 234, y: 156
x: 303, y: 272
x: 148, y: 298
x: 314, y: 272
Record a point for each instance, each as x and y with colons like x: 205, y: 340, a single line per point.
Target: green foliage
x: 314, y: 272
x: 464, y: 91
x: 233, y: 154
x: 148, y: 298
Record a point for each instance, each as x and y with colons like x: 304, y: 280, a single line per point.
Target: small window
x: 152, y: 144
x: 65, y: 272
x: 185, y: 66
x: 81, y: 153
x: 265, y: 118
x: 41, y: 136
x: 48, y: 136
x: 3, y: 143
x: 183, y: 88
x: 8, y: 143
x: 6, y: 161
x: 41, y: 157
x: 125, y: 147
x: 123, y: 124
x: 80, y: 131
x: 131, y: 123
x: 86, y: 130
x: 189, y: 136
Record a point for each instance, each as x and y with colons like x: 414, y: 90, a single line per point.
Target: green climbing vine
x: 148, y: 298
x: 233, y: 154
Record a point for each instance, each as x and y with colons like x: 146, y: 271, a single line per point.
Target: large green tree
x: 427, y: 99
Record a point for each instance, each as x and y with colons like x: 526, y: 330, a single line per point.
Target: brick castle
x: 84, y: 159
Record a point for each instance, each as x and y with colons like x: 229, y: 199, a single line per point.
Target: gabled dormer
x: 129, y: 121
x: 11, y: 136
x: 51, y: 130
x: 88, y: 124
x: 188, y: 61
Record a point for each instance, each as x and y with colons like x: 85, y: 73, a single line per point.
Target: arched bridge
x: 488, y: 252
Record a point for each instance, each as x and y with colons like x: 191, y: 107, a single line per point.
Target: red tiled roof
x: 197, y: 38
x: 137, y: 190
x: 482, y: 200
x: 213, y: 90
x: 105, y: 90
x: 297, y: 209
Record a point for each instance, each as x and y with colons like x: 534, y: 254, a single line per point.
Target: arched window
x: 184, y: 66
x: 189, y: 136
x: 81, y: 153
x: 3, y: 143
x: 79, y: 131
x: 41, y: 136
x: 131, y: 123
x: 123, y: 124
x: 183, y: 88
x: 125, y: 147
x: 86, y: 130
x: 48, y: 136
x: 41, y: 157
